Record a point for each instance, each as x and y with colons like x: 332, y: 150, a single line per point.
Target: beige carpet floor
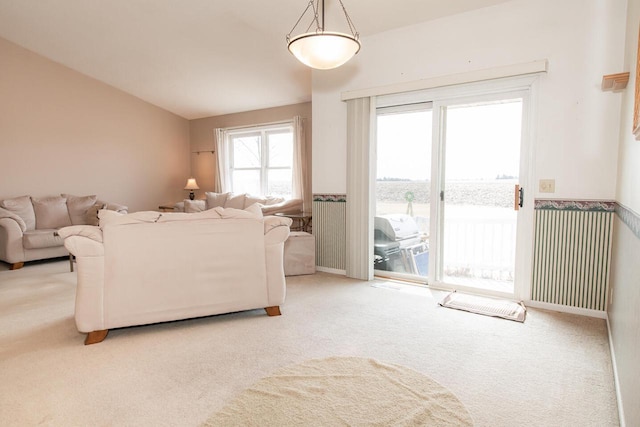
x: 553, y: 370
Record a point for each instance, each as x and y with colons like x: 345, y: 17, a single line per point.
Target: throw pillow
x: 250, y: 200
x: 78, y: 207
x: 51, y: 212
x: 22, y: 207
x: 92, y: 213
x: 215, y: 199
x: 235, y: 201
x: 193, y: 206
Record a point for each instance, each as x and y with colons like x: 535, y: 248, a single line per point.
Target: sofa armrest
x: 273, y: 221
x: 118, y: 208
x: 114, y: 207
x: 276, y: 229
x: 11, y: 249
x: 8, y: 214
x: 89, y: 231
x: 83, y: 240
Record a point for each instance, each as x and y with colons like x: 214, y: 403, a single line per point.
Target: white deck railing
x: 480, y: 248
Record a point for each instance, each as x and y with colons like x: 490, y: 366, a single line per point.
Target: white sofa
x: 29, y: 225
x: 150, y: 267
x: 268, y: 205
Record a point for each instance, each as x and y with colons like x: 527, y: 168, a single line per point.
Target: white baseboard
x: 566, y: 309
x: 615, y: 376
x: 331, y: 270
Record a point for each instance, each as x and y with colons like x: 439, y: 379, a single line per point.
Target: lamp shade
x: 191, y: 184
x: 325, y: 50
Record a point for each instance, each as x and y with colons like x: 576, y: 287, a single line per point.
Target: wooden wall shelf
x: 615, y: 81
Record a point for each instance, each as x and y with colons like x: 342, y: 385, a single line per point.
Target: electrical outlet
x: 547, y: 186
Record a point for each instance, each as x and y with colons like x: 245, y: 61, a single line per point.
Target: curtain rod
x: 248, y: 127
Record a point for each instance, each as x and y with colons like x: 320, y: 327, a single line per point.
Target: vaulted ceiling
x: 197, y: 58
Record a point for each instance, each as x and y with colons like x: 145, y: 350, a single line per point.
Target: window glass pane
x: 280, y: 149
x: 404, y: 165
x: 401, y: 224
x: 280, y: 183
x: 246, y: 151
x: 246, y: 181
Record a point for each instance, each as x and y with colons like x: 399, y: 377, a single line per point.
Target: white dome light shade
x: 325, y: 50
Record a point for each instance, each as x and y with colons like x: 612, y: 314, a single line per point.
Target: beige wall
x: 624, y: 318
x: 202, y: 138
x: 63, y: 132
x: 629, y: 151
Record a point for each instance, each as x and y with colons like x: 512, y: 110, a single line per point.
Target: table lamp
x: 191, y: 185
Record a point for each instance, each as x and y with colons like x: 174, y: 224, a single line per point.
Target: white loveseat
x: 150, y: 267
x: 268, y: 205
x: 29, y: 225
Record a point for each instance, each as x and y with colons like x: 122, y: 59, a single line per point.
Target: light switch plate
x: 547, y: 186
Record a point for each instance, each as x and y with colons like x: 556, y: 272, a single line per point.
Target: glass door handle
x: 518, y: 200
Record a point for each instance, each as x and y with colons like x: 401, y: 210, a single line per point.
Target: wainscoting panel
x: 572, y: 253
x: 329, y: 229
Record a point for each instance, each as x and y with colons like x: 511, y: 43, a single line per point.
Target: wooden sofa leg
x: 273, y: 311
x: 16, y: 266
x: 95, y: 337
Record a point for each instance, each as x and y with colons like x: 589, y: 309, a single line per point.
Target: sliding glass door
x: 451, y: 206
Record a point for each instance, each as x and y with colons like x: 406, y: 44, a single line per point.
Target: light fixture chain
x: 315, y: 18
x: 352, y: 27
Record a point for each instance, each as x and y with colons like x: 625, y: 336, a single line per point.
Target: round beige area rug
x: 344, y: 391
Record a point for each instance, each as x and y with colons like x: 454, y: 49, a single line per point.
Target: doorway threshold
x: 406, y: 286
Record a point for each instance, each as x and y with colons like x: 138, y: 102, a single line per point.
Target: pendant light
x: 322, y: 49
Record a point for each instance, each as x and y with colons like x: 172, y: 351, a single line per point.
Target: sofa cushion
x: 22, y: 207
x: 78, y: 207
x: 92, y: 213
x: 41, y: 238
x: 215, y: 199
x: 235, y: 201
x: 51, y: 212
x: 193, y: 206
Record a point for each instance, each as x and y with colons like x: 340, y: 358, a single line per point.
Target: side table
x: 301, y: 221
x: 166, y: 208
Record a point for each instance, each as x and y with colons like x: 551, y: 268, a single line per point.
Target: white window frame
x: 263, y: 131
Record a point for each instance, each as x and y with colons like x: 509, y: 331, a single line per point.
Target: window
x: 261, y: 161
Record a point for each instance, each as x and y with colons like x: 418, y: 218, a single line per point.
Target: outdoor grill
x: 398, y: 245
